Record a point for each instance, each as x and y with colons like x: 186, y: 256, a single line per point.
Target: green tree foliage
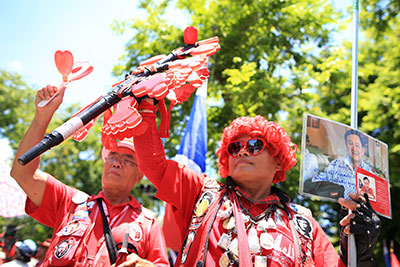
x: 16, y: 105
x: 263, y: 42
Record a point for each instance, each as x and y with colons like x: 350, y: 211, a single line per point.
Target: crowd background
x: 280, y: 59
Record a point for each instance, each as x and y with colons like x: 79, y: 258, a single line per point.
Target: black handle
x: 52, y: 139
x: 71, y: 126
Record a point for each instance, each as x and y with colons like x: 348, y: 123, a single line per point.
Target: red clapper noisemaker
x: 174, y: 76
x: 70, y: 70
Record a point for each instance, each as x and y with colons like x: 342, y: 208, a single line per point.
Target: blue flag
x: 386, y: 254
x: 193, y: 148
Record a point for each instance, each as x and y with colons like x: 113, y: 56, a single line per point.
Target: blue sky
x: 31, y: 31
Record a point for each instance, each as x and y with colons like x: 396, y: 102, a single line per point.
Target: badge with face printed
x: 135, y: 231
x: 303, y: 226
x: 63, y: 247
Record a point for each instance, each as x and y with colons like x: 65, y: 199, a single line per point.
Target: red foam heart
x: 64, y: 62
x: 190, y: 35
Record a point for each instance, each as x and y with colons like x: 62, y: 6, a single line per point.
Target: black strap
x: 112, y: 248
x: 210, y: 227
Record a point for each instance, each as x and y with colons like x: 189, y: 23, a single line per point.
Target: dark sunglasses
x: 253, y: 146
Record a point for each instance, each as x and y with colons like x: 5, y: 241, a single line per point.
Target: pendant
x: 229, y: 223
x: 234, y: 247
x: 227, y: 204
x: 262, y: 225
x: 254, y: 243
x: 260, y: 261
x: 202, y: 208
x: 270, y: 223
x: 266, y: 241
x: 223, y: 214
x: 224, y: 260
x: 224, y: 241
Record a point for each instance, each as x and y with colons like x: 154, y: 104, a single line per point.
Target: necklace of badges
x: 260, y: 223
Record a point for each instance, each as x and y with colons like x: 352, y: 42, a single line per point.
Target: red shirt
x: 182, y: 188
x: 369, y: 192
x: 78, y: 238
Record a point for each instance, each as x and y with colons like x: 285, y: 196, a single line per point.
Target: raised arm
x: 29, y: 177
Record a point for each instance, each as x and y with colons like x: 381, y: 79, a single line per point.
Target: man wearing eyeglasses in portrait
x: 245, y: 221
x: 341, y: 171
x: 89, y: 230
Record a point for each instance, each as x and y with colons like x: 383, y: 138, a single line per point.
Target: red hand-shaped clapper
x: 69, y: 70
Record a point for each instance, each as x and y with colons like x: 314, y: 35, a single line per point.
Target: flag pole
x: 352, y: 250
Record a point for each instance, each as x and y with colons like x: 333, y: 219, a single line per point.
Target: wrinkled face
x: 120, y: 171
x: 246, y: 167
x: 354, y: 147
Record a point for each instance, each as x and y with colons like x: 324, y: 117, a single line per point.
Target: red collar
x: 271, y: 199
x: 132, y: 202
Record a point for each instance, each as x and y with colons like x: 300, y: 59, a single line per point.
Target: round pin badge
x: 71, y: 227
x: 135, y: 232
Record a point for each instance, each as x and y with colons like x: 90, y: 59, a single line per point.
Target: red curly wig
x: 277, y: 138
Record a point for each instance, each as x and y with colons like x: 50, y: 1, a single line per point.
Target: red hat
x: 126, y: 143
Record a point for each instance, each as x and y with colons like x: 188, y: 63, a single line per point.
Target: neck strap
x: 111, y: 247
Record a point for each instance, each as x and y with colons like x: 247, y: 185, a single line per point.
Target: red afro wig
x: 277, y: 138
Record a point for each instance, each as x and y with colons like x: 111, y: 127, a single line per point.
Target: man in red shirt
x: 245, y: 221
x: 366, y: 189
x: 78, y: 238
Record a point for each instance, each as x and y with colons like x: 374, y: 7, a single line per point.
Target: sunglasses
x: 253, y: 146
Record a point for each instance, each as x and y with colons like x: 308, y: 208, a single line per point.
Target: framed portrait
x: 330, y: 155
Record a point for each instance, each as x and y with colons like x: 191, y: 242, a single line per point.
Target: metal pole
x: 354, y: 76
x: 352, y: 250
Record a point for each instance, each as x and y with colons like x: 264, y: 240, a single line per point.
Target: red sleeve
x: 156, y: 248
x: 176, y: 184
x: 55, y: 203
x: 324, y: 253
